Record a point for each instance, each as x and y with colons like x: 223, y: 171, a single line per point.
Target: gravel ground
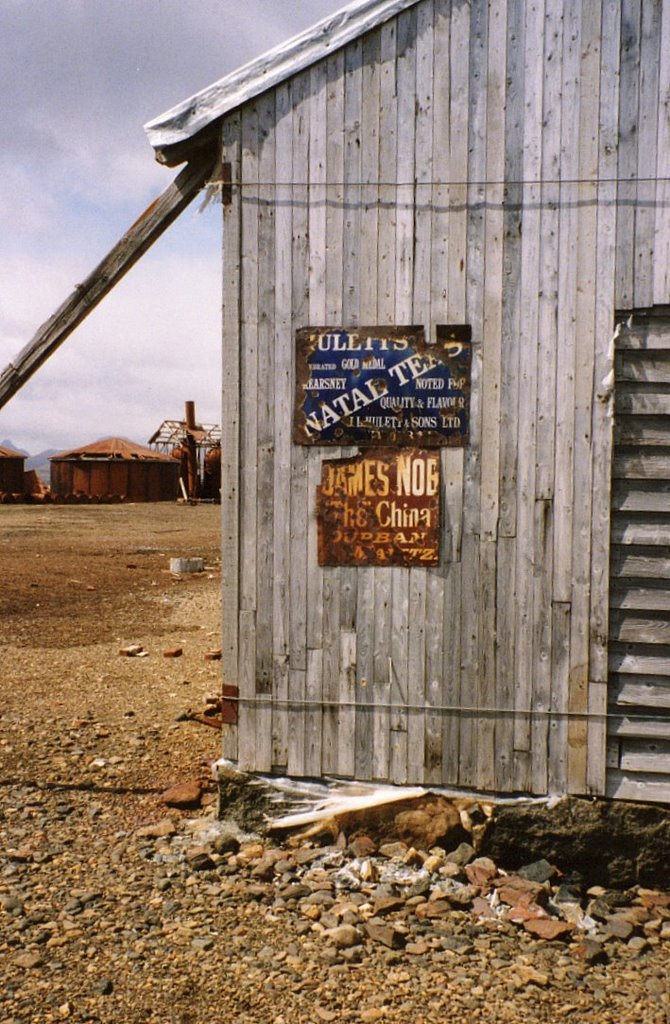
x: 115, y: 908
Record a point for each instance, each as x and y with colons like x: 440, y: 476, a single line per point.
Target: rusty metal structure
x: 113, y: 470
x: 197, y: 448
x: 11, y: 472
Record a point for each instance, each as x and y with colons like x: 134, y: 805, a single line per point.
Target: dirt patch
x: 78, y: 584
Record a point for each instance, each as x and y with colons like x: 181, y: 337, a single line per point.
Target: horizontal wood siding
x: 639, y: 741
x: 458, y: 164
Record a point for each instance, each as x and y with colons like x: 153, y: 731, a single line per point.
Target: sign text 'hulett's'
x: 380, y: 508
x: 382, y: 385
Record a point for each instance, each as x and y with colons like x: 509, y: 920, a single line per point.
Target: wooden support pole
x: 86, y: 296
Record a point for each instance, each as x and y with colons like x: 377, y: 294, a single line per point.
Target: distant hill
x: 40, y: 462
x: 15, y: 448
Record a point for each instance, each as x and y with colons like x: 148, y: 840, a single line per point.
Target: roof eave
x: 183, y: 124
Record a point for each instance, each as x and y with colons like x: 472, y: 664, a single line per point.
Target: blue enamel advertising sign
x: 382, y: 385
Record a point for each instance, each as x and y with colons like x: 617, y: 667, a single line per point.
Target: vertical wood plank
x: 230, y: 420
x: 505, y: 678
x: 283, y: 371
x: 506, y: 610
x: 425, y: 586
x: 584, y: 369
x: 557, y: 767
x: 369, y: 256
x: 316, y: 169
x: 265, y: 406
x: 647, y: 142
x: 300, y: 87
x: 385, y: 311
x: 627, y: 151
x: 565, y: 390
x: 335, y: 143
x: 247, y: 686
x: 404, y: 276
x: 662, y: 211
x: 491, y: 388
x: 471, y: 637
x: 546, y: 392
x: 602, y: 411
x: 528, y: 372
x: 248, y: 435
x: 351, y: 272
x: 249, y: 357
x: 451, y: 165
x: 347, y: 699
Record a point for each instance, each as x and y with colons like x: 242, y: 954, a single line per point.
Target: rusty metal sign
x: 380, y: 508
x: 382, y: 385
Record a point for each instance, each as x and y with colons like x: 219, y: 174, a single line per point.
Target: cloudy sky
x: 78, y: 79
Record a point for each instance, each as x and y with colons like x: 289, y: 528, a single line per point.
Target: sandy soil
x: 78, y: 584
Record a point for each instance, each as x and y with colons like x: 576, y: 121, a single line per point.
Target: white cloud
x: 79, y: 79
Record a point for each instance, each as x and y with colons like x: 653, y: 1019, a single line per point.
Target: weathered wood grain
x: 639, y: 726
x: 230, y: 422
x: 645, y: 755
x: 650, y: 691
x: 645, y: 786
x: 265, y: 432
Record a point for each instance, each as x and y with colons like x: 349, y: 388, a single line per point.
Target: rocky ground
x: 115, y: 907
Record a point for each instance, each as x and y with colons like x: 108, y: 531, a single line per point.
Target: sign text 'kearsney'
x: 372, y: 385
x: 380, y: 508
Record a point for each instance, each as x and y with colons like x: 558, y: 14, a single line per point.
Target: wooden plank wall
x: 456, y: 165
x: 639, y: 723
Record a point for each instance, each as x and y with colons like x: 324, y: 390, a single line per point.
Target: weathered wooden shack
x: 501, y: 167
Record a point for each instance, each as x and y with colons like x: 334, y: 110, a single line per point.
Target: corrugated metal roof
x: 9, y: 453
x: 112, y: 448
x: 181, y: 123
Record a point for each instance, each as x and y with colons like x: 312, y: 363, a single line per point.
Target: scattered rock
x: 548, y: 928
x: 29, y: 961
x: 104, y: 987
x: 591, y: 951
x: 520, y: 892
x: 538, y: 871
x: 462, y: 855
x: 158, y: 830
x: 343, y: 936
x: 185, y: 795
x: 617, y: 927
x: 481, y: 872
x: 387, y: 934
x: 133, y: 651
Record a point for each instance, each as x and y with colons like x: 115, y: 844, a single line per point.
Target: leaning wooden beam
x: 86, y: 296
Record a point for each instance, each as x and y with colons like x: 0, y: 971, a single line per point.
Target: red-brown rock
x: 184, y: 795
x: 481, y: 872
x: 520, y: 892
x: 548, y: 928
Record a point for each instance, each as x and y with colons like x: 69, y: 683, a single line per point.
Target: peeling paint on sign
x: 382, y: 385
x: 380, y: 508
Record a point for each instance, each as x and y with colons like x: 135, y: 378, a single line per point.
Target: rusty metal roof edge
x: 11, y: 453
x: 181, y: 122
x: 111, y: 448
